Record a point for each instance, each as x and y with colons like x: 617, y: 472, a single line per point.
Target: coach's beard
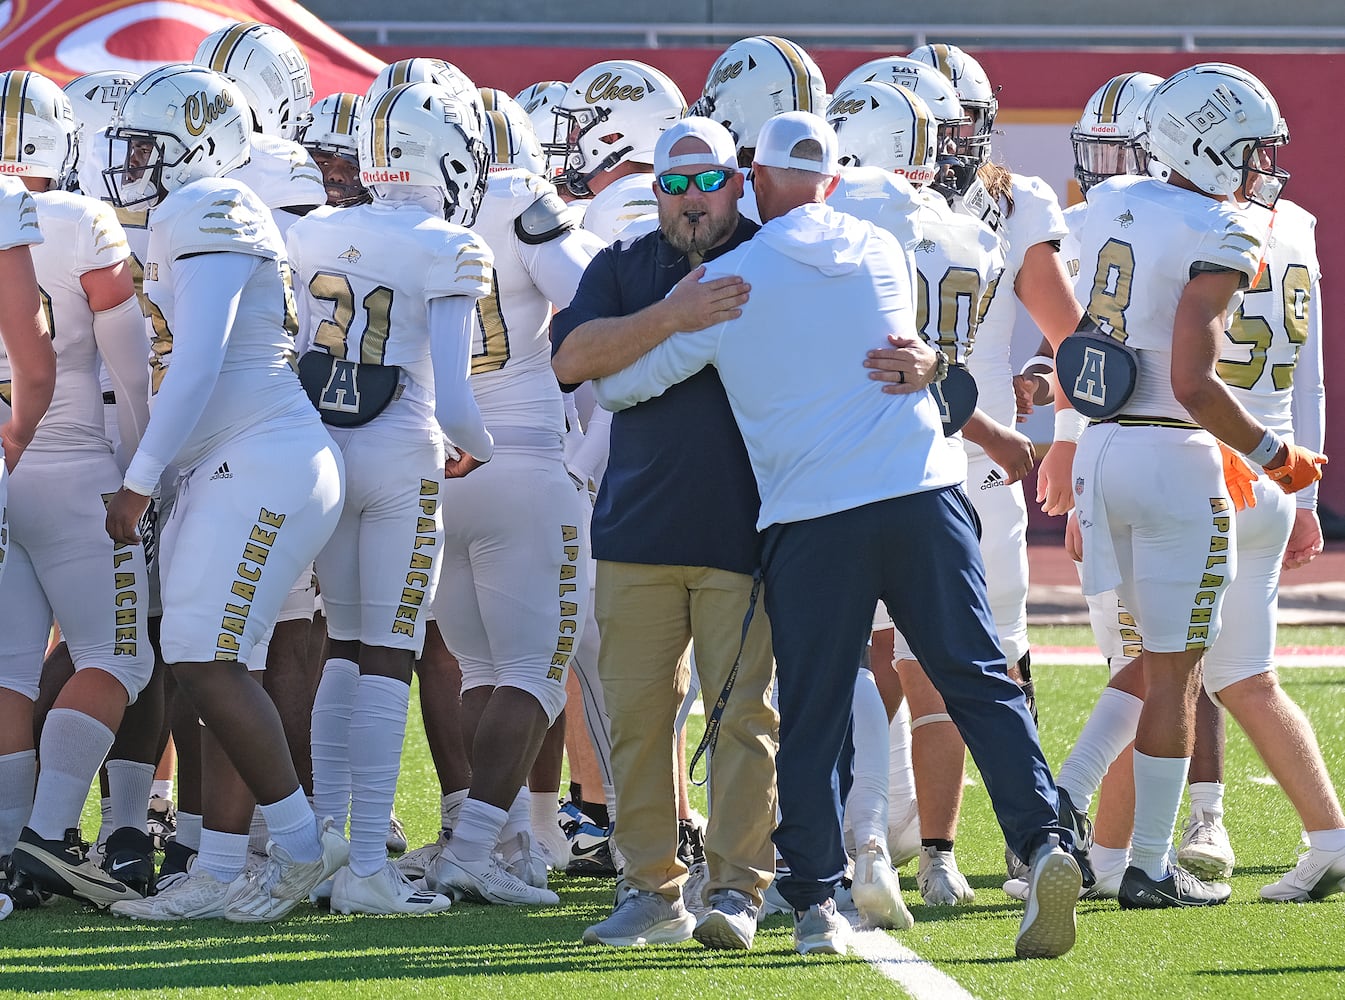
x: 697, y: 232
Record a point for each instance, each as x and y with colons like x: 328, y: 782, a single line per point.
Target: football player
x: 331, y: 139
x: 387, y: 295
x: 260, y: 482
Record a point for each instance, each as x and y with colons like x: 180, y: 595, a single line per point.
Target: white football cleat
x: 387, y: 891
x: 876, y: 889
x: 484, y: 882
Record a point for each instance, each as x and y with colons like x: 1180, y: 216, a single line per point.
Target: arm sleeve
x: 123, y: 344
x: 208, y: 289
x: 557, y: 266
x: 677, y: 358
x: 450, y: 352
x: 1309, y: 399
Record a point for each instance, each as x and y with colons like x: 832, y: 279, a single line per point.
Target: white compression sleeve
x: 450, y: 351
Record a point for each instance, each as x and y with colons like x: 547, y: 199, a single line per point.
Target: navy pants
x: 823, y: 577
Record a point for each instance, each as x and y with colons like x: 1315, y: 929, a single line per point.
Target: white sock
x: 1207, y: 797
x: 450, y: 806
x: 293, y: 826
x: 72, y: 749
x: 1109, y: 860
x: 1327, y: 840
x: 128, y: 784
x: 222, y: 855
x: 545, y: 828
x: 162, y: 788
x: 866, y: 805
x: 258, y: 834
x: 900, y: 771
x: 1108, y: 731
x: 189, y: 830
x: 18, y: 781
x: 332, y: 708
x: 377, y: 728
x: 1158, y: 797
x: 519, y: 818
x: 105, y: 827
x: 477, y: 831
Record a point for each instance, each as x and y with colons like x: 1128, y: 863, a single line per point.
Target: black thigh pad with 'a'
x: 1096, y: 370
x: 956, y: 395
x: 347, y: 393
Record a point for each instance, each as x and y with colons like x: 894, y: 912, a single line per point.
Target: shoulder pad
x: 545, y: 219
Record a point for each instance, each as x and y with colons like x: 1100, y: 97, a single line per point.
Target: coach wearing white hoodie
x: 860, y: 500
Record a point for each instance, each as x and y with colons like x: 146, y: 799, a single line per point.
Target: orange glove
x: 1301, y: 469
x: 1238, y: 478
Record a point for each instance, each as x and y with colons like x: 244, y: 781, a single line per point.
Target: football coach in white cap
x: 860, y: 501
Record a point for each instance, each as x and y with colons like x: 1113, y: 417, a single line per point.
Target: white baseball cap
x: 781, y: 136
x: 717, y: 140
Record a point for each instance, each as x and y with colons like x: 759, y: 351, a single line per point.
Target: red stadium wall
x: 1047, y: 89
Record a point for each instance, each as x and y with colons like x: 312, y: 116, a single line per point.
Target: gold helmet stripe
x: 224, y: 49
x: 378, y: 121
x: 941, y: 55
x: 803, y: 94
x: 921, y: 146
x: 345, y: 115
x: 16, y: 83
x: 488, y: 98
x: 499, y: 125
x: 1111, y: 97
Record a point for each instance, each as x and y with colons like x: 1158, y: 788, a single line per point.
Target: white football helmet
x: 334, y: 132
x: 927, y: 83
x: 508, y: 134
x: 420, y: 135
x: 758, y: 78
x: 1104, y: 140
x: 94, y: 98
x: 179, y: 123
x: 611, y: 113
x: 1219, y: 127
x: 37, y: 130
x: 974, y: 91
x: 423, y: 69
x: 881, y: 125
x: 538, y: 100
x: 270, y: 70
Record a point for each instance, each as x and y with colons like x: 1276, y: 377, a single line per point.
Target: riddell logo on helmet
x: 200, y: 109
x: 385, y: 176
x: 15, y: 168
x: 608, y: 87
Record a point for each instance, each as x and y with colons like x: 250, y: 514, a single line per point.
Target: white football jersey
x: 1137, y: 248
x: 366, y: 275
x: 257, y: 384
x: 1271, y: 326
x: 1036, y: 219
x: 18, y: 215
x: 511, y: 345
x: 283, y: 175
x: 624, y: 209
x: 1069, y: 243
x: 82, y: 235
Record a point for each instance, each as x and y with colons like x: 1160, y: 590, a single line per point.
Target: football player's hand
x: 1054, y: 491
x: 1024, y: 394
x: 909, y: 365
x: 1073, y: 537
x: 1301, y: 468
x: 1238, y: 478
x: 697, y: 305
x: 124, y: 511
x: 11, y: 444
x: 1305, y: 539
x: 457, y: 467
x: 1010, y: 450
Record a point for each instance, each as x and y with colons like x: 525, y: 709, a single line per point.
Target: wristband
x: 1265, y: 451
x: 1040, y: 360
x: 1069, y: 425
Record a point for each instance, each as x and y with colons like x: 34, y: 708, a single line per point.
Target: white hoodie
x: 822, y: 437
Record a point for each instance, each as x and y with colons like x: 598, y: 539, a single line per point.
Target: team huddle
x: 575, y: 403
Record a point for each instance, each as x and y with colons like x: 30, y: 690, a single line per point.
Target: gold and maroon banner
x: 63, y: 39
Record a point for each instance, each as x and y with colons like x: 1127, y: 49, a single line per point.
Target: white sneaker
x: 877, y: 890
x: 193, y: 896
x: 1204, y: 850
x: 484, y: 882
x: 283, y: 883
x: 1047, y: 929
x: 940, y: 882
x: 822, y: 930
x: 414, y: 864
x: 903, y: 835
x: 384, y: 892
x: 524, y: 861
x: 1317, y: 875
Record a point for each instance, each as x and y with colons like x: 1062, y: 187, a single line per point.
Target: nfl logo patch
x: 1078, y: 487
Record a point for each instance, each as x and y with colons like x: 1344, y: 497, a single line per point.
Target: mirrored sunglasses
x: 706, y: 180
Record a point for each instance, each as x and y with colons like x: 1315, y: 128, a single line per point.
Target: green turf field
x: 1244, y: 949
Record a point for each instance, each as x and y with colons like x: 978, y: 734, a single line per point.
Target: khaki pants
x: 647, y: 615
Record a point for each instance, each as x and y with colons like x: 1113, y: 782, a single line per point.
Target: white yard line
x: 904, y: 967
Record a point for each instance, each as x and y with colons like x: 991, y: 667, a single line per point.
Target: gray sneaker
x: 822, y: 930
x: 731, y: 921
x: 1047, y: 929
x: 641, y: 918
